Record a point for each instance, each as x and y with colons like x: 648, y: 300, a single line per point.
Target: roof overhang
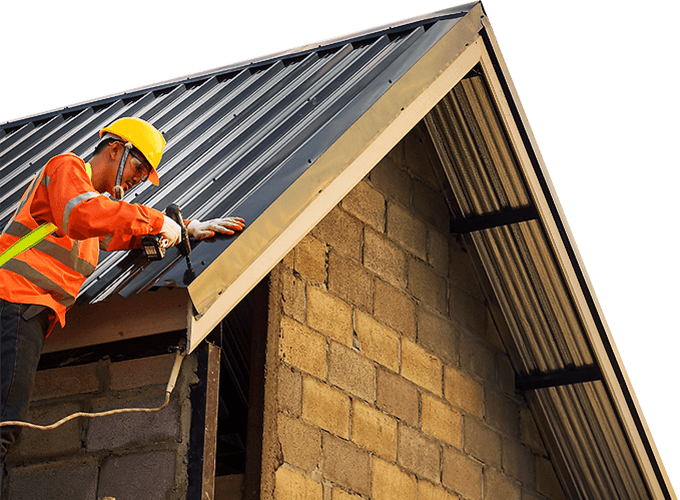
x: 220, y: 287
x: 543, y: 301
x: 468, y: 44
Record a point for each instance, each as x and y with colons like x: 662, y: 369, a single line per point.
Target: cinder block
x: 502, y: 413
x: 377, y: 341
x: 547, y: 483
x: 518, y: 462
x: 385, y: 258
x: 340, y: 231
x: 53, y: 481
x: 302, y: 348
x: 310, y: 259
x: 300, y: 443
x: 338, y: 494
x: 116, y: 431
x: 463, y: 391
x: 481, y: 441
x: 427, y: 286
x: 506, y: 374
x: 290, y: 391
x: 462, y: 474
x: 68, y: 381
x: 441, y: 421
x: 391, y: 180
x: 468, y: 311
x: 289, y: 259
x: 529, y: 431
x: 325, y: 407
x: 497, y: 485
x: 352, y: 372
x: 395, y: 309
x: 437, y: 335
x: 366, y: 204
x: 417, y: 160
x: 419, y: 453
x: 428, y: 491
x: 350, y: 281
x: 293, y: 298
x: 346, y: 464
x: 476, y: 358
x: 421, y: 367
x: 374, y: 430
x: 149, y: 475
x: 391, y: 483
x: 64, y: 439
x: 141, y: 372
x: 291, y: 485
x: 438, y: 251
x: 407, y: 230
x: 491, y: 334
x: 397, y: 396
x: 329, y: 315
x: 397, y: 154
x: 461, y: 269
x: 431, y: 205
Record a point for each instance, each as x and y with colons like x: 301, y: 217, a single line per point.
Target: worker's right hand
x: 171, y: 231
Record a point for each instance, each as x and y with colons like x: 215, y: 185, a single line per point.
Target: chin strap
x: 117, y: 189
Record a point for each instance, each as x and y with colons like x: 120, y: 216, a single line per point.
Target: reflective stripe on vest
x: 28, y: 241
x: 69, y: 258
x: 40, y: 280
x: 41, y: 232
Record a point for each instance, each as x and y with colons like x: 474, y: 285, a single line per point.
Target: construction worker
x: 40, y: 284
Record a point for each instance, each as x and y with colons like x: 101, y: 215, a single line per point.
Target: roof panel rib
x: 545, y: 326
x: 239, y: 137
x: 235, y: 140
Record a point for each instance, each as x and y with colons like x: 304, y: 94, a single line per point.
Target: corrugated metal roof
x: 240, y: 137
x: 235, y: 139
x: 551, y: 342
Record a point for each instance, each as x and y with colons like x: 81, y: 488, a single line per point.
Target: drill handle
x: 175, y: 214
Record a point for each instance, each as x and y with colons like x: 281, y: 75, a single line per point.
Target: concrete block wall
x: 130, y: 455
x: 387, y: 379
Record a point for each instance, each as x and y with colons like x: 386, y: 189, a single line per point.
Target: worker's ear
x: 114, y: 149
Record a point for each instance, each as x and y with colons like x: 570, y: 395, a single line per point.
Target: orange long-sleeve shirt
x: 52, y: 272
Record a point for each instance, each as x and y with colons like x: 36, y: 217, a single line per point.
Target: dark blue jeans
x: 21, y: 341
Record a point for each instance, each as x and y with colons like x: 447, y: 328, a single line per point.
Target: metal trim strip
x: 334, y: 174
x: 571, y: 265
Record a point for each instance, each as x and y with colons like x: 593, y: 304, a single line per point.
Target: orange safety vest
x: 52, y: 272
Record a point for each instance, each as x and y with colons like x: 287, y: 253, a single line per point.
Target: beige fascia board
x: 619, y: 387
x: 268, y: 239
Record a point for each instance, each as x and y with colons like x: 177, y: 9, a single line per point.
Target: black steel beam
x: 488, y: 221
x: 589, y: 373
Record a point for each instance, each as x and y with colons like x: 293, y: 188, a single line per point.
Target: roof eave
x: 564, y: 245
x: 220, y: 287
x: 148, y: 313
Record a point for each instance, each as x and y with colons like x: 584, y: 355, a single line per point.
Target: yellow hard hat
x: 143, y: 136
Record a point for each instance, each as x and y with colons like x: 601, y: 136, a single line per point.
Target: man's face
x: 135, y: 170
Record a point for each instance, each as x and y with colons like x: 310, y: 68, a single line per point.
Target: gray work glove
x: 228, y: 225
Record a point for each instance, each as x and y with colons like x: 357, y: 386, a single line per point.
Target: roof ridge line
x: 327, y: 44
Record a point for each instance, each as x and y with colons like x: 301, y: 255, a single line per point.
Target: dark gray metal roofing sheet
x: 238, y: 137
x: 235, y: 139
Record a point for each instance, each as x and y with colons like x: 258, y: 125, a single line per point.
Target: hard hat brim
x: 153, y: 177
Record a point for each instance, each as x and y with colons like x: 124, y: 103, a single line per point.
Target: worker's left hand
x: 201, y: 230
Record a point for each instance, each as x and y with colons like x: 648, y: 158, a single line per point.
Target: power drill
x: 152, y: 244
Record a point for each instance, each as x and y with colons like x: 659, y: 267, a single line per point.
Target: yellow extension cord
x: 180, y: 353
